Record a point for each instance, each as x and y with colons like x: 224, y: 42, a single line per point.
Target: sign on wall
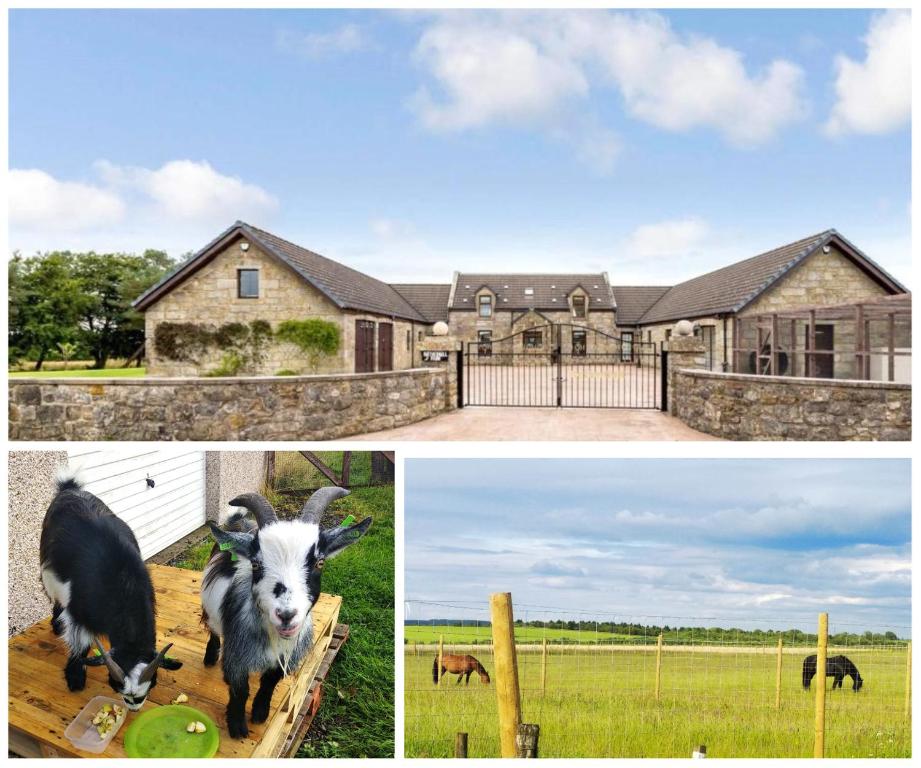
x: 435, y: 355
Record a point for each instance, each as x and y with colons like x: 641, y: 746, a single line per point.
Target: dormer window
x: 578, y: 306
x: 485, y: 305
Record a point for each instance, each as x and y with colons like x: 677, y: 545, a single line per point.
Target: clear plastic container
x: 83, y: 734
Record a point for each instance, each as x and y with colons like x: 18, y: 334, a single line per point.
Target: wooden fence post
x: 658, y: 665
x: 270, y: 470
x: 526, y: 740
x: 543, y: 669
x: 460, y: 745
x: 779, y: 671
x: 908, y: 683
x: 441, y: 657
x: 821, y: 658
x: 506, y: 664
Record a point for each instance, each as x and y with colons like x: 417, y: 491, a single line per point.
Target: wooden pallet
x: 41, y: 707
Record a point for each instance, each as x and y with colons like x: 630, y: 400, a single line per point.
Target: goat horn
x: 316, y: 505
x: 259, y: 506
x: 116, y: 671
x: 152, y: 667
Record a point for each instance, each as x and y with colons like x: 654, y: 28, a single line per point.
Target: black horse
x: 837, y: 667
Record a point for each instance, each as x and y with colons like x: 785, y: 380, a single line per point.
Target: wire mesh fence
x: 293, y: 471
x: 648, y: 686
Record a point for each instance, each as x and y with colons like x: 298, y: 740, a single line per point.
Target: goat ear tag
x: 224, y: 546
x: 96, y: 652
x: 348, y: 521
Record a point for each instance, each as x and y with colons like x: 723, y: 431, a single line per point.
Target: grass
x: 356, y: 718
x: 602, y: 704
x: 80, y: 373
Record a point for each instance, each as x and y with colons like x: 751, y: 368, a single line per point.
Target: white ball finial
x: 440, y: 328
x: 684, y: 328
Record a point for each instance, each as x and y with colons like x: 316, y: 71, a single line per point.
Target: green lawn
x: 602, y: 704
x: 357, y: 715
x: 80, y: 373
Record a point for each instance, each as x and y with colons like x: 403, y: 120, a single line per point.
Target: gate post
x: 459, y: 362
x: 664, y: 382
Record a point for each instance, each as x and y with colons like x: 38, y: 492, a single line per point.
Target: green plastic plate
x: 160, y: 732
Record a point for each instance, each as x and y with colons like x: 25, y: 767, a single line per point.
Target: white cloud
x: 667, y: 239
x: 491, y: 72
x: 39, y: 200
x: 189, y: 190
x: 534, y: 68
x: 178, y: 207
x: 348, y: 38
x: 874, y: 96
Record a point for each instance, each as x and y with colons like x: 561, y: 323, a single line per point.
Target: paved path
x: 473, y: 423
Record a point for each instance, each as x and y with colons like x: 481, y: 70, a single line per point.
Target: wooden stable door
x: 385, y: 347
x: 364, y: 346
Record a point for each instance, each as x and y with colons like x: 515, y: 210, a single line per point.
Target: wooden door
x: 364, y: 346
x: 385, y: 347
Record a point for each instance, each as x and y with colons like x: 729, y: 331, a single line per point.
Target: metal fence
x: 647, y: 686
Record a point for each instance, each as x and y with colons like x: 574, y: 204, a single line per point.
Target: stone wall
x: 743, y: 407
x: 209, y: 297
x: 253, y: 408
x: 465, y: 325
x: 31, y: 488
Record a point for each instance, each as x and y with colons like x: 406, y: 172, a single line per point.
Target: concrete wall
x: 742, y: 407
x: 254, y: 408
x: 228, y: 474
x: 209, y: 297
x: 31, y: 488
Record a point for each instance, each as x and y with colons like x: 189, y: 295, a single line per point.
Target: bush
x: 286, y: 372
x: 316, y: 338
x: 231, y: 363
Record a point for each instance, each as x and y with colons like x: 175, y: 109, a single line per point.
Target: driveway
x: 473, y: 423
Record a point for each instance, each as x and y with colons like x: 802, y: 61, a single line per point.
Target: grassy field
x: 357, y: 715
x: 602, y: 704
x: 80, y: 373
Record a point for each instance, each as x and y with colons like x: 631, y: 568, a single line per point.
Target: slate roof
x: 550, y: 291
x: 346, y: 287
x: 633, y: 301
x: 731, y: 288
x: 429, y: 299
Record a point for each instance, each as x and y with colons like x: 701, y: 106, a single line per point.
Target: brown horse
x: 460, y: 666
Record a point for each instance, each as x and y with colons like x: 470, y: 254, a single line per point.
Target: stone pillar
x: 435, y: 345
x: 683, y: 352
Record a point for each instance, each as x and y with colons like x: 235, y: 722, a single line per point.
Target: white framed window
x: 484, y: 304
x: 578, y: 306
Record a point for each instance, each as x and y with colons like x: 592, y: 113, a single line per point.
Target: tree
x: 68, y: 349
x: 45, y: 304
x: 110, y: 282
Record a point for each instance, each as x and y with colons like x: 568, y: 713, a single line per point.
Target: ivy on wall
x: 244, y: 345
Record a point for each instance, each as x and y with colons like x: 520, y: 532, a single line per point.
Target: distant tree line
x: 70, y: 306
x: 633, y: 633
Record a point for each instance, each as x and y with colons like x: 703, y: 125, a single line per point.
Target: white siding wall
x: 159, y: 516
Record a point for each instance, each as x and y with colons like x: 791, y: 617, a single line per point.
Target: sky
x: 745, y: 543
x: 652, y: 145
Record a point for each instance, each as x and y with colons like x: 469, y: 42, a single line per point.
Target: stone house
x: 248, y: 274
x: 820, y: 270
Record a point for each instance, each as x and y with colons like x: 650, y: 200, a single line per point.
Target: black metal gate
x: 564, y: 366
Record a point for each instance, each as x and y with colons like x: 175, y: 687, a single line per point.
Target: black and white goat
x: 93, y: 572
x: 258, y: 595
